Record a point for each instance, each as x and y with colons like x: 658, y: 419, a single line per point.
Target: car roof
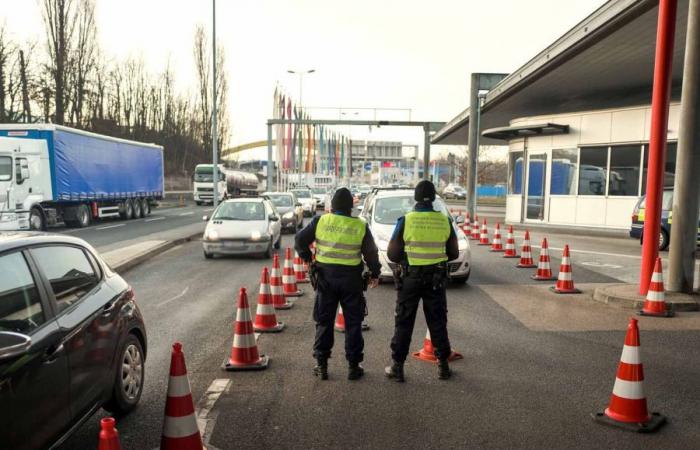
x: 245, y: 200
x: 277, y: 193
x: 19, y: 239
x: 394, y: 193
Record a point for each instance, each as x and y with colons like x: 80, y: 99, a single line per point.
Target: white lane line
x: 206, y: 420
x: 154, y: 219
x: 189, y: 213
x: 111, y: 226
x: 180, y: 295
x: 208, y: 210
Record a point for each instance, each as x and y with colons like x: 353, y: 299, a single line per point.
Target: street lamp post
x: 301, y: 74
x: 214, y: 134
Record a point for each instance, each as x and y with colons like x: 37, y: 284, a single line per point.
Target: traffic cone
x: 109, y: 437
x: 565, y: 280
x: 484, y: 237
x: 526, y: 261
x: 467, y: 226
x: 655, y: 303
x: 544, y: 271
x: 278, y: 299
x: 265, y: 318
x: 289, y: 283
x: 427, y: 353
x: 180, y: 431
x: 339, y: 321
x: 475, y: 230
x: 497, y: 244
x: 510, y: 245
x: 244, y: 352
x: 299, y: 270
x: 628, y: 405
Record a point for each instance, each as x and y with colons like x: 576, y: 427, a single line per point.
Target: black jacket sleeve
x: 304, y: 239
x: 371, y: 254
x: 395, y: 249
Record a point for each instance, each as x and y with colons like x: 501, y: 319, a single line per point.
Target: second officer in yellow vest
x: 342, y: 242
x: 422, y: 243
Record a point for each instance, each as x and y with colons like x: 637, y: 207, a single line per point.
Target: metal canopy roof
x: 606, y: 61
x: 543, y: 129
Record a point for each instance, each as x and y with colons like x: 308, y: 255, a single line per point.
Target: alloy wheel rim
x: 132, y: 372
x: 35, y: 221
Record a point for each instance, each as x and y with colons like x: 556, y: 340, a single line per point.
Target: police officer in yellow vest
x: 422, y: 243
x: 342, y: 241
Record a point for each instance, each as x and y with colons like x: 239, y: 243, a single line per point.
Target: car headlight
x: 255, y: 235
x: 382, y: 244
x: 288, y: 215
x: 462, y: 244
x: 212, y: 235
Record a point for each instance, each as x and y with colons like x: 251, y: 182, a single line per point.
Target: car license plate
x: 233, y: 245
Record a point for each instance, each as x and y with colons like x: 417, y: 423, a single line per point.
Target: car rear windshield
x: 388, y: 210
x: 303, y: 193
x: 666, y: 202
x: 319, y: 190
x: 5, y: 168
x: 281, y: 200
x: 240, y: 211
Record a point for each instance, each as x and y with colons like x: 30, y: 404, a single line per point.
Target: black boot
x: 444, y: 372
x: 355, y: 371
x: 395, y: 372
x: 321, y: 369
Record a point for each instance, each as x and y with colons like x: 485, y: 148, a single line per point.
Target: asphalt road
x: 536, y: 365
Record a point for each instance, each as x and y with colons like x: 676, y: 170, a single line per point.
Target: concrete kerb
x: 139, y: 258
x: 574, y: 231
x: 627, y: 296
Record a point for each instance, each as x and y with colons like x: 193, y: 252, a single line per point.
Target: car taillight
x: 130, y: 295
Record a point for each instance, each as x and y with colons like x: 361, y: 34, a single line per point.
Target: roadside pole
x: 473, y: 152
x: 657, y: 140
x: 426, y: 152
x: 269, y: 157
x: 214, y: 137
x: 686, y: 191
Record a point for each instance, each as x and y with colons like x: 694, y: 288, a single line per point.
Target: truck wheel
x: 146, y: 207
x: 129, y: 209
x: 37, y: 222
x: 82, y: 216
x: 137, y: 208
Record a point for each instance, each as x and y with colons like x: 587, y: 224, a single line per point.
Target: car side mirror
x: 274, y: 218
x: 205, y: 218
x: 13, y: 344
x: 459, y: 219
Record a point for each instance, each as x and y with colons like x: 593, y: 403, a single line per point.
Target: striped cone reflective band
x: 340, y: 320
x: 484, y: 235
x: 526, y: 261
x: 244, y: 351
x: 109, y: 437
x: 289, y: 281
x: 299, y: 269
x: 510, y: 245
x: 467, y: 226
x: 278, y: 299
x: 265, y: 318
x: 544, y: 271
x: 565, y: 280
x: 655, y: 303
x: 180, y: 429
x: 628, y: 405
x: 427, y: 353
x: 497, y: 244
x: 475, y: 229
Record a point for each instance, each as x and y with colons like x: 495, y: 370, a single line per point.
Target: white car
x: 383, y: 209
x: 308, y: 202
x: 320, y: 194
x: 242, y: 226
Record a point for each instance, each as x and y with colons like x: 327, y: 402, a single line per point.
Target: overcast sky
x: 366, y: 53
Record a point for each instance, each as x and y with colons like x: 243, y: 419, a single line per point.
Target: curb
x: 145, y: 256
x: 626, y: 296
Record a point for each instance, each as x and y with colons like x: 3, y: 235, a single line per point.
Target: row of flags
x: 308, y: 148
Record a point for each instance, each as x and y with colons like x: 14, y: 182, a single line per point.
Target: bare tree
x: 201, y: 61
x: 6, y: 53
x: 59, y: 20
x: 82, y: 58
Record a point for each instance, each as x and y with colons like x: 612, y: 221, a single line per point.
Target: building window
x: 624, y: 170
x: 564, y: 164
x: 593, y: 171
x: 515, y: 178
x: 669, y: 170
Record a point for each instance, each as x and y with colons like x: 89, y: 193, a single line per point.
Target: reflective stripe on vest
x: 425, y: 235
x: 339, y: 240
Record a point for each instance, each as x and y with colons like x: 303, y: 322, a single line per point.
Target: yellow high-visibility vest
x: 425, y: 234
x: 339, y: 240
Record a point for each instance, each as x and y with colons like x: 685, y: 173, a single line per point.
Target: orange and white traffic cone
x: 299, y: 270
x: 278, y: 298
x: 544, y: 271
x: 244, y: 351
x: 289, y: 282
x: 265, y: 318
x: 427, y: 353
x: 497, y: 244
x: 339, y: 321
x: 180, y: 431
x: 628, y: 405
x: 510, y: 245
x: 109, y: 437
x: 467, y: 226
x: 475, y: 229
x: 484, y: 235
x: 565, y: 280
x: 526, y: 261
x: 655, y: 303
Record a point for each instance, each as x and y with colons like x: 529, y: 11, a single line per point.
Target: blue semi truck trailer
x: 51, y: 174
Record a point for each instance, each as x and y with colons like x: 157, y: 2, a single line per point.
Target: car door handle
x: 52, y: 353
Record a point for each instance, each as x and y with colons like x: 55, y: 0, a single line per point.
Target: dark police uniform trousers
x: 417, y: 285
x: 342, y: 284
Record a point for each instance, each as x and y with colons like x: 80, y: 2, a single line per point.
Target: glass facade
x: 624, y: 170
x: 515, y: 174
x: 670, y: 167
x: 593, y: 171
x: 564, y: 168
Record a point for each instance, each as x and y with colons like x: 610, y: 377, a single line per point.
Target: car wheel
x: 663, y: 240
x: 208, y: 255
x: 36, y: 219
x: 129, y: 376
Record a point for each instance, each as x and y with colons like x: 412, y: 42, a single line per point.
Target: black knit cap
x: 425, y: 191
x: 342, y: 201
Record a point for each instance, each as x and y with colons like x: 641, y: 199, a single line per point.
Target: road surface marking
x: 208, y: 210
x: 111, y: 226
x: 597, y: 264
x: 189, y: 213
x: 592, y: 252
x: 154, y: 219
x: 180, y: 295
x: 206, y: 420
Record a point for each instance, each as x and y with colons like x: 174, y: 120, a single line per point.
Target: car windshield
x: 240, y: 211
x: 281, y: 200
x: 5, y: 168
x: 303, y: 193
x: 319, y: 190
x: 388, y: 210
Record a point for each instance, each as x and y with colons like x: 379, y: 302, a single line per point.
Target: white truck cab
x: 203, y: 184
